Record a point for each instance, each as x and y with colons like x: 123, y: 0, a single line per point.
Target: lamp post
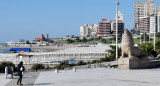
x: 117, y: 3
x: 155, y: 29
x: 139, y: 26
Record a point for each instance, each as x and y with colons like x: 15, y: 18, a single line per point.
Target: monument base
x: 133, y: 63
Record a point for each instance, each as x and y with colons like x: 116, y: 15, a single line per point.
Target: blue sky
x: 27, y: 19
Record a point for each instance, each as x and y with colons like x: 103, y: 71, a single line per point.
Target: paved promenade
x: 90, y: 77
x: 100, y: 77
x: 28, y: 79
x: 3, y: 81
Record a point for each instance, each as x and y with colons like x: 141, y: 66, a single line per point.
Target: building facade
x: 158, y: 22
x: 152, y: 24
x: 157, y: 9
x: 142, y: 9
x: 144, y: 25
x: 120, y: 27
x: 88, y: 30
x: 104, y: 28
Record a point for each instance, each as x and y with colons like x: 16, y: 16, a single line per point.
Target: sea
x: 4, y: 50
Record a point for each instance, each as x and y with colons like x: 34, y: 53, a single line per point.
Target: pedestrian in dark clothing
x: 20, y: 69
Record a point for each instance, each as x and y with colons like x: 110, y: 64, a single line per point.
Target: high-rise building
x: 120, y: 27
x: 104, y: 28
x: 144, y: 24
x: 158, y: 22
x: 152, y: 24
x: 157, y: 9
x: 120, y: 16
x: 88, y: 30
x: 142, y: 9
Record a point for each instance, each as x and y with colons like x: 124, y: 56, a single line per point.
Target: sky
x: 27, y: 19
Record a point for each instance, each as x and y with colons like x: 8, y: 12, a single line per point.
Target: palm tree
x: 148, y: 48
x: 112, y: 52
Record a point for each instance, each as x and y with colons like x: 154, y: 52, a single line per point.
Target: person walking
x: 20, y: 70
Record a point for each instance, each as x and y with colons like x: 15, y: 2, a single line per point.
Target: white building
x: 120, y: 16
x: 144, y: 25
x: 157, y: 9
x: 158, y: 22
x: 88, y: 30
x: 152, y: 24
x: 142, y: 9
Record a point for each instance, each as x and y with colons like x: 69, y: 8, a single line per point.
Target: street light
x: 155, y: 28
x: 117, y: 3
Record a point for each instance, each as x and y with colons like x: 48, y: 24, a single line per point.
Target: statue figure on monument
x: 128, y: 48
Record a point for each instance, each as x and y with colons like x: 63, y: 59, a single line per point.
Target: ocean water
x: 4, y: 51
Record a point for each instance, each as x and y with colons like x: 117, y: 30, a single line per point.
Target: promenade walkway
x: 91, y: 77
x: 100, y: 77
x: 3, y: 81
x: 28, y: 79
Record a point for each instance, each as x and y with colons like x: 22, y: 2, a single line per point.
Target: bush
x: 63, y: 65
x: 38, y: 66
x: 157, y: 44
x: 112, y: 53
x: 148, y: 48
x: 104, y: 41
x: 84, y: 39
x: 70, y: 41
x: 107, y: 59
x: 6, y: 64
x: 81, y: 63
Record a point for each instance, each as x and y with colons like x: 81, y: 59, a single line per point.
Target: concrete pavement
x: 28, y: 79
x: 100, y: 77
x: 89, y: 77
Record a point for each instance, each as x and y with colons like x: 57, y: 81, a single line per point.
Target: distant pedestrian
x: 20, y: 70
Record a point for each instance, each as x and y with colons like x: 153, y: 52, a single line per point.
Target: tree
x: 91, y: 39
x: 133, y: 31
x: 27, y: 42
x: 148, y: 48
x: 104, y: 41
x: 158, y: 34
x: 146, y: 38
x: 77, y: 39
x: 157, y: 46
x: 112, y: 52
x: 98, y: 38
x: 84, y: 39
x: 50, y: 41
x: 114, y: 37
x: 70, y: 41
x: 72, y: 36
x: 67, y: 35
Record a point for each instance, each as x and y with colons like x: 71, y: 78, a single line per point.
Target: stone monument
x: 132, y: 57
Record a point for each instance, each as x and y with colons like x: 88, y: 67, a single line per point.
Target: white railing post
x: 6, y: 72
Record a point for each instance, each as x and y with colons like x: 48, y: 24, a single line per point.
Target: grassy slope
x: 109, y: 41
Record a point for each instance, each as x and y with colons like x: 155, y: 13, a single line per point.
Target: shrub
x: 104, y: 41
x: 70, y: 41
x: 38, y: 66
x: 148, y: 48
x: 6, y: 64
x: 62, y: 65
x: 106, y: 59
x: 112, y: 53
x: 81, y: 63
x: 157, y: 44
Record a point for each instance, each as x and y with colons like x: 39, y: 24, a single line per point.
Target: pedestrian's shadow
x: 40, y: 84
